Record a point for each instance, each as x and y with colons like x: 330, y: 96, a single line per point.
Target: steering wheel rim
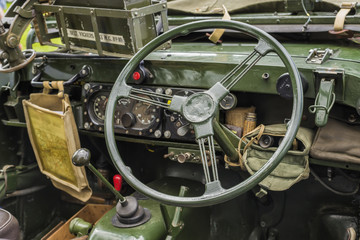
x: 121, y: 89
x: 7, y: 68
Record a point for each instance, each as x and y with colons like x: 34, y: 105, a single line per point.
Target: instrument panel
x: 133, y: 117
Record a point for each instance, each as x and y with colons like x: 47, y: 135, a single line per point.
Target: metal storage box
x: 115, y: 28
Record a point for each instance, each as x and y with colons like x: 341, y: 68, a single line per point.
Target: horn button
x: 198, y: 108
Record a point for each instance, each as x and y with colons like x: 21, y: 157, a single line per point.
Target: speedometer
x: 98, y: 106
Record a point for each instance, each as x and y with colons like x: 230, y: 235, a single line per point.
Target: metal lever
x: 128, y: 211
x: 83, y: 73
x: 82, y: 158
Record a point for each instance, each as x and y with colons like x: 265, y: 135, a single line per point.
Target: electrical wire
x: 347, y: 176
x: 332, y: 189
x: 307, y: 14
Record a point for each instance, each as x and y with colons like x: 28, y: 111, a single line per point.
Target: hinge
x: 319, y: 56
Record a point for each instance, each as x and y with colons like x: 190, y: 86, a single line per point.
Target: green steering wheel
x: 199, y: 109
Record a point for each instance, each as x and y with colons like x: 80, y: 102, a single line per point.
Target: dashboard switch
x: 136, y: 76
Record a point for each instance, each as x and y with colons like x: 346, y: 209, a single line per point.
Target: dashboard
x: 133, y: 117
x: 137, y: 118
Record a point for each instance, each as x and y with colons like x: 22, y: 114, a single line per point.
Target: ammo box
x: 90, y: 213
x: 107, y: 27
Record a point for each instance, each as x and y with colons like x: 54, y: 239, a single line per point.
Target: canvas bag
x: 337, y: 141
x: 54, y: 138
x: 293, y: 167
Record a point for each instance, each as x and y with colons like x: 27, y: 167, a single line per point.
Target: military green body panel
x: 200, y: 65
x: 152, y: 230
x: 193, y: 221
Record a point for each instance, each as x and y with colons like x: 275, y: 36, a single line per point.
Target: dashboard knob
x: 284, y: 86
x: 128, y: 119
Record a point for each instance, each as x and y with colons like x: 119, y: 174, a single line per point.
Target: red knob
x: 136, y: 76
x: 117, y: 179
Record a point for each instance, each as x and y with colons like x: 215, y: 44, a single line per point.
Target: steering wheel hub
x: 198, y: 108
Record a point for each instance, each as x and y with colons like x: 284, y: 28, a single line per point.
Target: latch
x: 330, y: 87
x: 324, y: 101
x: 319, y: 56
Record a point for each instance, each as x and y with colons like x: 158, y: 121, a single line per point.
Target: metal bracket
x: 324, y: 101
x: 23, y: 13
x: 177, y: 224
x: 337, y: 74
x: 318, y: 56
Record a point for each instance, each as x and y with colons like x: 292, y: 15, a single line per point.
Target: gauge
x: 228, y: 102
x: 136, y: 117
x: 98, y: 106
x: 131, y: 116
x: 145, y: 113
x: 124, y: 105
x: 124, y: 102
x: 175, y: 123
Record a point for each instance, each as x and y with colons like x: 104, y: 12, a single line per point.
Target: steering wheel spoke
x: 234, y: 76
x: 208, y: 158
x: 144, y: 95
x: 143, y: 98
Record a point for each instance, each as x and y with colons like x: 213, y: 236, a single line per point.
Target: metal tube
x: 224, y: 142
x: 106, y: 182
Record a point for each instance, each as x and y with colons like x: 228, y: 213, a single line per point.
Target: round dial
x: 124, y: 105
x: 228, y: 102
x: 130, y: 116
x: 99, y: 105
x: 145, y: 112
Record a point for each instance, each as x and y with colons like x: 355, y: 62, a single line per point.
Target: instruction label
x: 90, y: 36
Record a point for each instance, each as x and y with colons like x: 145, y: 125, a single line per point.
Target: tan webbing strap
x: 54, y: 85
x: 47, y: 87
x: 341, y: 15
x: 59, y: 85
x: 261, y: 129
x: 217, y: 33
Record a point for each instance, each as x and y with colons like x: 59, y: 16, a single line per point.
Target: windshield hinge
x: 319, y: 56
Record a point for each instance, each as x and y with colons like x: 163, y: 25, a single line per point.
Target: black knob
x: 284, y: 86
x: 81, y: 157
x: 128, y: 119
